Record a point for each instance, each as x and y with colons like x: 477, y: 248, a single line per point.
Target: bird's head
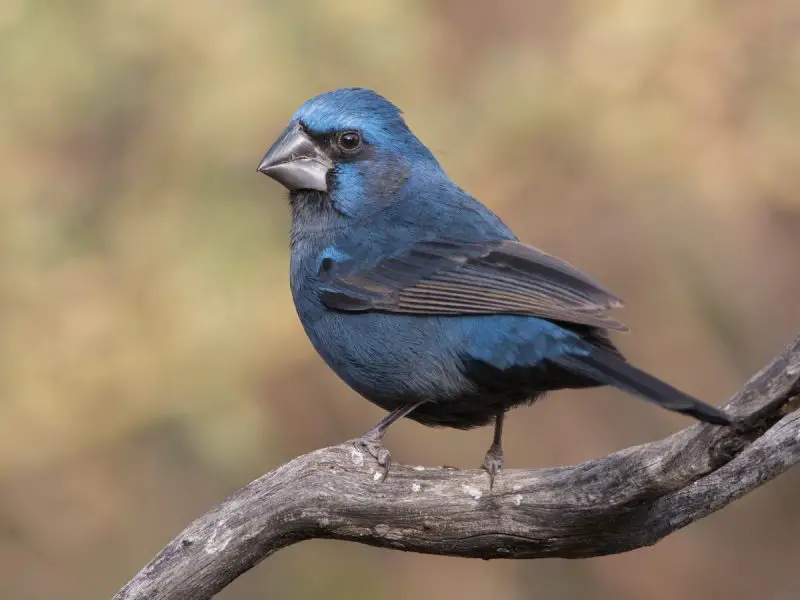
x: 351, y: 145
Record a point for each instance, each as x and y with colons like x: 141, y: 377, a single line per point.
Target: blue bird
x: 419, y: 297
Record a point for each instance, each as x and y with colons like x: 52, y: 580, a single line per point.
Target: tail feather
x: 614, y: 370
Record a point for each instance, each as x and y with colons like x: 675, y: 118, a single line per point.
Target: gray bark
x: 613, y: 504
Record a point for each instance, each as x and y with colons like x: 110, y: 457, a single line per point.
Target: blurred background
x: 151, y: 362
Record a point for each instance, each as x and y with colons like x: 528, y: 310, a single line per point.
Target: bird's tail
x: 609, y: 369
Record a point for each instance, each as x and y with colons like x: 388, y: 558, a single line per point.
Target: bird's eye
x: 349, y: 141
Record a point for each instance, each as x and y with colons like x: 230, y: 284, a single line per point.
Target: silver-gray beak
x: 295, y: 161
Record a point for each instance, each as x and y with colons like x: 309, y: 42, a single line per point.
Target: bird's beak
x: 296, y: 161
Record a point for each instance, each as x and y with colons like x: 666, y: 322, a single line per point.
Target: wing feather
x: 445, y: 277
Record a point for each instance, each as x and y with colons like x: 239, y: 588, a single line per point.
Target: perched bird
x: 419, y: 297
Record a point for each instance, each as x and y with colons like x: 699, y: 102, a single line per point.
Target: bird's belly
x: 391, y: 361
x: 396, y: 360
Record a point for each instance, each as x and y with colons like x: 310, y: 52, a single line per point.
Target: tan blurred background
x: 150, y: 358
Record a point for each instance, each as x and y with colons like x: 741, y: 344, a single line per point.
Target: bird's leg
x: 372, y: 441
x: 493, y: 461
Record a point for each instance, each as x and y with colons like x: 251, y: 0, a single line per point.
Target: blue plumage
x: 419, y: 296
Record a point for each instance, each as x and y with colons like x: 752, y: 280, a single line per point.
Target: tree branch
x: 616, y: 503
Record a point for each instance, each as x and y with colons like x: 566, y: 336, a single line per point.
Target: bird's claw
x: 375, y: 448
x: 493, y: 463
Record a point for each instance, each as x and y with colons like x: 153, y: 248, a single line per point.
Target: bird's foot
x: 375, y: 448
x: 493, y: 462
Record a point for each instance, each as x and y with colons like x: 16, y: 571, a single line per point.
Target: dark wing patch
x: 457, y: 278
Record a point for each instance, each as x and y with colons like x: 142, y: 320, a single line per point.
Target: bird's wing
x: 462, y: 278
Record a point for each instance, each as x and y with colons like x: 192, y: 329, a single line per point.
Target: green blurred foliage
x: 150, y: 359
